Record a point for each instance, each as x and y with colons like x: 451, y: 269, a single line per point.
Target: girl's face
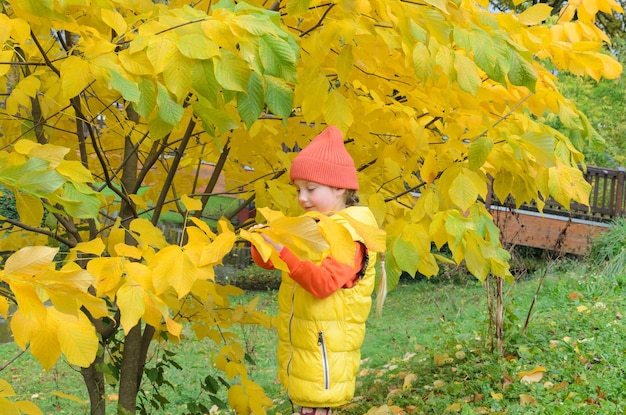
x: 318, y: 197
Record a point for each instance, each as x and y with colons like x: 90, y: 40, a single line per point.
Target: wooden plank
x: 556, y: 233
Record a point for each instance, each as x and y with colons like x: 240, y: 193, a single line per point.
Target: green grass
x: 430, y: 353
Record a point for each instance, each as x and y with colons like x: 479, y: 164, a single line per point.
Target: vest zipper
x: 293, y: 294
x: 322, y: 344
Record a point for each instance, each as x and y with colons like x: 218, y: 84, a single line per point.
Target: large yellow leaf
x: 44, y: 343
x: 130, y: 300
x: 465, y: 188
x: 374, y: 237
x: 75, y: 76
x: 177, y: 75
x: 300, y: 235
x: 173, y: 327
x: 204, y: 227
x: 107, y: 273
x: 160, y: 51
x: 256, y: 239
x: 28, y: 408
x: 74, y: 171
x: 4, y: 305
x: 149, y: 234
x: 29, y: 208
x: 313, y: 90
x: 476, y: 262
x: 29, y: 260
x: 535, y: 14
x: 214, y: 253
x: 6, y: 56
x: 114, y: 20
x: 339, y: 238
x: 68, y: 279
x: 28, y: 299
x: 77, y: 337
x: 611, y: 68
x: 337, y: 110
x: 136, y: 63
x: 430, y: 167
x: 190, y: 203
x: 54, y: 154
x: 175, y: 267
x: 94, y: 247
x: 7, y: 407
x: 6, y: 389
x: 116, y: 236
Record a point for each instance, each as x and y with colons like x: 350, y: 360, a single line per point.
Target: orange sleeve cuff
x: 256, y: 257
x: 328, y: 277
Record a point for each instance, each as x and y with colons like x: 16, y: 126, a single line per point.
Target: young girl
x: 323, y: 308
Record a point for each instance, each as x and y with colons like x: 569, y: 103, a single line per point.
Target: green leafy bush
x: 253, y: 278
x: 608, y: 250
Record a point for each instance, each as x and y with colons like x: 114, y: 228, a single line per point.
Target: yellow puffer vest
x: 320, y: 339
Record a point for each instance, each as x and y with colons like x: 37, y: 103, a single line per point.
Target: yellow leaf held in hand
x: 375, y: 238
x: 533, y: 375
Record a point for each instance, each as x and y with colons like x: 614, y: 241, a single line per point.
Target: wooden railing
x: 606, y: 201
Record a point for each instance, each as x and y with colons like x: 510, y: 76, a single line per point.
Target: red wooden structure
x: 566, y: 231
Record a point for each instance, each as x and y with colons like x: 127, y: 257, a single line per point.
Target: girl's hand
x: 278, y: 247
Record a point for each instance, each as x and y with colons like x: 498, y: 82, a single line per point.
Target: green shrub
x: 254, y: 278
x: 608, y: 249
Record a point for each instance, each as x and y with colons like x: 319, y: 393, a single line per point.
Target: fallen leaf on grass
x: 379, y: 410
x: 439, y: 383
x: 442, y: 359
x: 575, y: 296
x: 68, y: 396
x: 533, y: 375
x: 393, y: 392
x: 582, y: 309
x: 506, y: 381
x: 497, y: 396
x: 526, y: 400
x: 408, y: 381
x: 455, y: 407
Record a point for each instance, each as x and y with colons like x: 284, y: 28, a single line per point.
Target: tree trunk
x: 499, y: 315
x: 131, y: 369
x: 94, y: 381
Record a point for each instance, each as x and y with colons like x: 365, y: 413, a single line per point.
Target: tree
x: 613, y: 24
x: 112, y: 107
x: 602, y: 102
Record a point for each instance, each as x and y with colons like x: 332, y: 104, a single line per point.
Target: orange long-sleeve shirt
x: 320, y: 280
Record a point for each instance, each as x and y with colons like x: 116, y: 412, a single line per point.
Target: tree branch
x: 44, y: 55
x: 167, y: 184
x: 219, y: 167
x: 42, y: 231
x: 320, y: 21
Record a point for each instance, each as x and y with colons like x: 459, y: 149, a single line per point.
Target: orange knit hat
x: 326, y: 161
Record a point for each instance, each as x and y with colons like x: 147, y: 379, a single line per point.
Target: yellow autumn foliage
x: 119, y: 115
